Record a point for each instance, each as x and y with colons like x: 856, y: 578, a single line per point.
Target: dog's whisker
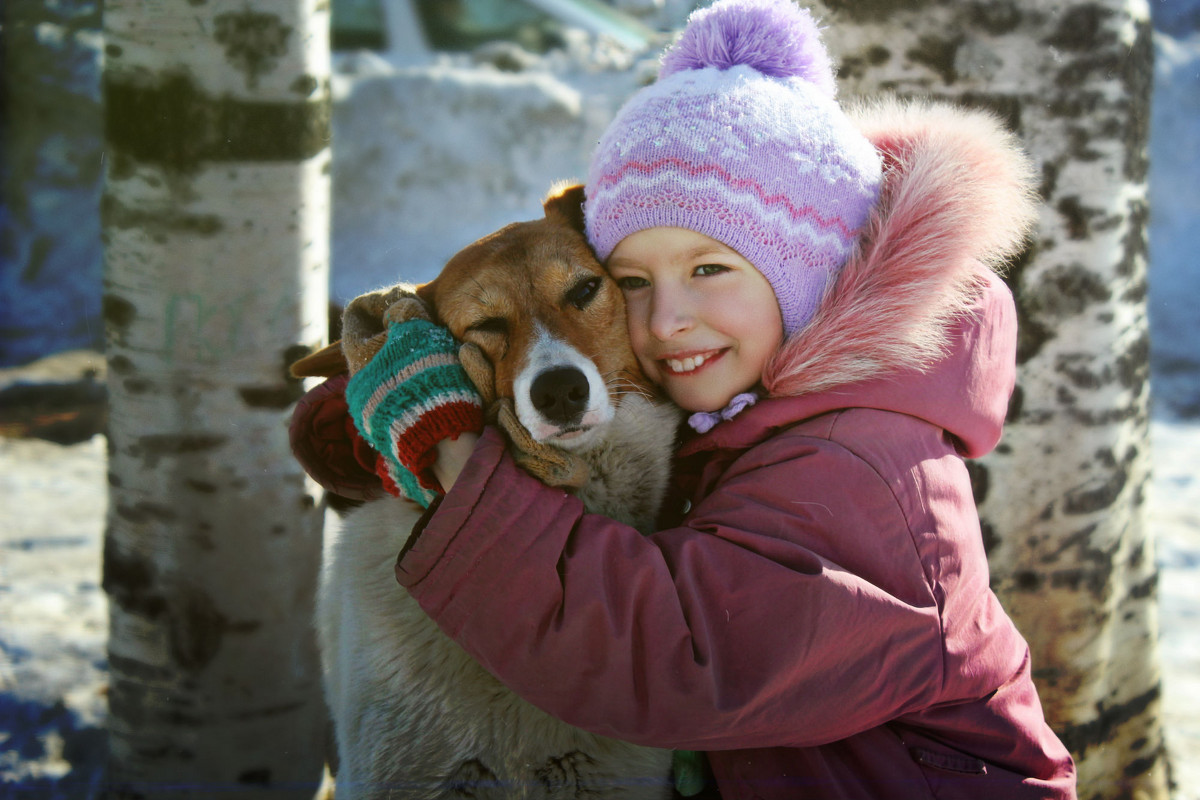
x: 630, y: 389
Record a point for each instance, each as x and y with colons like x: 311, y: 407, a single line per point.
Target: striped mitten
x: 411, y: 395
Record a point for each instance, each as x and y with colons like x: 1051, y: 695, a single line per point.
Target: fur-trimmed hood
x: 918, y: 321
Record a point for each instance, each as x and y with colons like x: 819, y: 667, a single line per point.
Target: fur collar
x: 958, y: 194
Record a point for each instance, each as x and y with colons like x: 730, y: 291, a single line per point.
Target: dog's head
x: 547, y: 317
x: 535, y: 300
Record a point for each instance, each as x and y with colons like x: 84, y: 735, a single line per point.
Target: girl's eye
x: 711, y: 269
x: 630, y: 283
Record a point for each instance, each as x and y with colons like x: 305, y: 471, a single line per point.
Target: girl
x: 816, y: 616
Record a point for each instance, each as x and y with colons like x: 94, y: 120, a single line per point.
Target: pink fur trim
x: 958, y: 198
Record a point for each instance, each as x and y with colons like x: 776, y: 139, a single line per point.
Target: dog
x: 414, y: 716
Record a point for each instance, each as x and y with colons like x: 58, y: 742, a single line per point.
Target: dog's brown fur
x: 526, y: 272
x: 414, y: 716
x: 492, y: 281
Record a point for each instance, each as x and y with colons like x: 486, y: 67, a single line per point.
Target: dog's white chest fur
x: 415, y: 716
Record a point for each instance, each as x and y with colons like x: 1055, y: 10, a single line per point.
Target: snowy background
x: 52, y: 611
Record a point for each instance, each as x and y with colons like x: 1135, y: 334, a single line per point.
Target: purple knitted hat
x: 741, y: 139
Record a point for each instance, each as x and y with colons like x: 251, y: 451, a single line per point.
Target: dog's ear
x: 426, y: 292
x: 324, y: 363
x: 565, y: 202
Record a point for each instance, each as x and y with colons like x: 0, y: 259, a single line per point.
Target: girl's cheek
x: 635, y: 327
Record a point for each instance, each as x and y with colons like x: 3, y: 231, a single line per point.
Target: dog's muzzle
x: 560, y: 395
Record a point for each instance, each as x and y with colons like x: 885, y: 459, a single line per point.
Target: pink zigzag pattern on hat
x: 738, y: 183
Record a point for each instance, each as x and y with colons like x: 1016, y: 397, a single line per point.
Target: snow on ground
x: 1174, y: 516
x: 52, y: 661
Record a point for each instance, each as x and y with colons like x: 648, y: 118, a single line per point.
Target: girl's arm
x: 728, y: 633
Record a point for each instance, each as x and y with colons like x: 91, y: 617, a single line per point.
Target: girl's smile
x: 702, y: 320
x: 690, y: 364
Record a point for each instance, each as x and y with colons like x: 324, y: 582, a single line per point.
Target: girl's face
x: 702, y: 320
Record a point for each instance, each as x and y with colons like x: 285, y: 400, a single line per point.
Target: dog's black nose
x: 560, y: 394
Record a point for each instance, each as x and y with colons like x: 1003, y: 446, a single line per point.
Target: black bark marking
x: 174, y: 124
x: 1006, y: 107
x: 1084, y: 736
x: 144, y: 512
x: 130, y: 581
x: 1028, y: 581
x: 1143, y: 766
x: 1081, y: 30
x: 159, y: 222
x: 294, y: 353
x: 1015, y: 404
x: 990, y: 539
x: 155, y: 447
x: 873, y: 10
x: 305, y: 85
x: 1137, y: 72
x: 1133, y: 365
x: 197, y: 628
x: 118, y: 313
x: 1076, y: 217
x: 271, y: 397
x: 1032, y: 334
x: 997, y: 17
x: 980, y: 480
x: 938, y: 55
x: 1101, y: 493
x: 122, y: 365
x: 1067, y: 290
x: 1146, y: 589
x: 131, y: 668
x: 253, y: 42
x: 855, y: 67
x: 1136, y: 246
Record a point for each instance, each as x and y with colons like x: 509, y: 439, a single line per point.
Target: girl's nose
x: 670, y: 315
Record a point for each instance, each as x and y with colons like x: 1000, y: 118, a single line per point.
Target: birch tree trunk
x: 215, y: 219
x: 1062, y: 499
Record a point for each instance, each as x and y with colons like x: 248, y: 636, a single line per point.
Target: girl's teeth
x: 685, y: 364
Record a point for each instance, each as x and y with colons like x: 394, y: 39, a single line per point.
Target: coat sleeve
x: 729, y: 632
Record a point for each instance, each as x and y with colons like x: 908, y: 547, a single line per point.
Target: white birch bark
x: 1062, y: 499
x: 215, y: 223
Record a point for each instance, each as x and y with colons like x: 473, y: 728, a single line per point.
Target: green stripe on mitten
x: 411, y: 395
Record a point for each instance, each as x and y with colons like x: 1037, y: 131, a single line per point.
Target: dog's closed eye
x: 583, y: 292
x: 490, y: 325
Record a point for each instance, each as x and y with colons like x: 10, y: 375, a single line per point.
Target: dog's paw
x: 480, y: 371
x: 550, y: 465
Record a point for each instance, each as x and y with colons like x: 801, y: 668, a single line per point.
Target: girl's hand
x: 410, y: 396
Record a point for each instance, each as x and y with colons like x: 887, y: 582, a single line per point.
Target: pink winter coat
x: 817, y: 618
